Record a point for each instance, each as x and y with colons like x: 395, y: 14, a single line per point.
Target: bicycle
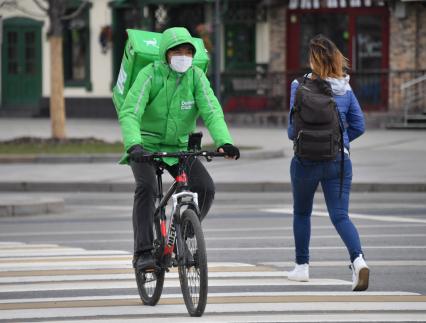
x: 182, y: 244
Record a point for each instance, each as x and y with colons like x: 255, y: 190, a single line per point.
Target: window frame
x: 86, y: 82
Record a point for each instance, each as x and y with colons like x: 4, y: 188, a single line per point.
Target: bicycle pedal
x: 150, y: 270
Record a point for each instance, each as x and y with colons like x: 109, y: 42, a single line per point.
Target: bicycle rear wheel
x: 193, y: 273
x: 150, y: 286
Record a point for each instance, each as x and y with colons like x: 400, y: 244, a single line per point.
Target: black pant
x: 199, y: 181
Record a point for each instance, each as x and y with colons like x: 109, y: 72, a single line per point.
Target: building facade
x: 263, y: 48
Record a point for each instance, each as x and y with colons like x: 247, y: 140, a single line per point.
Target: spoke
x: 192, y: 270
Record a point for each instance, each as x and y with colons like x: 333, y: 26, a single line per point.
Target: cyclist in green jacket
x: 158, y: 114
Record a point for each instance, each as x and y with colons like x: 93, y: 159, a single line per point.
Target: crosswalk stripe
x: 130, y: 276
x: 222, y: 299
x: 249, y: 238
x: 256, y: 229
x: 213, y: 267
x: 91, y: 274
x: 214, y: 294
x: 267, y: 318
x: 20, y: 247
x: 76, y: 251
x: 108, y: 285
x: 7, y: 243
x: 384, y: 218
x: 58, y: 252
x: 331, y: 263
x: 222, y: 308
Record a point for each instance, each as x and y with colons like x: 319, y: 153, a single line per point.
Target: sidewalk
x: 383, y: 160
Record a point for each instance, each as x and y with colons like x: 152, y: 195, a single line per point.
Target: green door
x: 21, y: 63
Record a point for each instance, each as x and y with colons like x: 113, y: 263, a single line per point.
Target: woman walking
x: 334, y: 174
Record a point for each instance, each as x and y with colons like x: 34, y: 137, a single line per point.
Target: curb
x: 30, y: 206
x: 111, y: 158
x: 220, y: 187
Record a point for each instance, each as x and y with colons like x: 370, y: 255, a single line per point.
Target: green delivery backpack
x: 142, y: 49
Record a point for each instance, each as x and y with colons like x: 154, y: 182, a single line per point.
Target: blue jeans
x: 305, y: 177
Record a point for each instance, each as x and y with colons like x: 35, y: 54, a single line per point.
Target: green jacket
x: 162, y: 106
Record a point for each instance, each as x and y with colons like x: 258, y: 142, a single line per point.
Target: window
x: 240, y: 46
x: 334, y: 27
x: 240, y: 18
x: 76, y: 49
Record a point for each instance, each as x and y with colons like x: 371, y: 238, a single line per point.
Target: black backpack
x: 318, y: 130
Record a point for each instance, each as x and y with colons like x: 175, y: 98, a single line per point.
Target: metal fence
x: 260, y: 91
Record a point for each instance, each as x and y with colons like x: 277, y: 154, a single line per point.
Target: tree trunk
x: 57, y: 104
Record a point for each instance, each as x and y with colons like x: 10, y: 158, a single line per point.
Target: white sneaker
x: 360, y: 274
x: 300, y: 273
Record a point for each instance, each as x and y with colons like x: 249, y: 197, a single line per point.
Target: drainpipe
x: 1, y: 46
x: 217, y: 49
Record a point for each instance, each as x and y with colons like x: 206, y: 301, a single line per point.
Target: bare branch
x: 77, y: 12
x: 12, y: 4
x: 40, y: 5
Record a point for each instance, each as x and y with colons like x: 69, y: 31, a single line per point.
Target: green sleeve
x: 133, y: 108
x: 210, y: 109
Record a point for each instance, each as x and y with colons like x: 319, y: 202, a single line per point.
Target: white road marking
x: 212, y: 309
x: 206, y: 229
x: 383, y: 263
x: 214, y: 282
x: 237, y: 311
x: 116, y: 277
x: 268, y: 318
x: 58, y: 252
x: 384, y: 218
x: 253, y: 238
x: 242, y: 249
x: 211, y: 295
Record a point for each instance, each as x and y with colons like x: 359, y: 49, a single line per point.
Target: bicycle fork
x: 174, y: 233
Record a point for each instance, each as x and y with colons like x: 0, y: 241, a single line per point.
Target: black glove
x: 138, y: 154
x: 230, y: 151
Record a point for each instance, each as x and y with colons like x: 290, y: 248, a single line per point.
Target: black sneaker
x: 145, y: 262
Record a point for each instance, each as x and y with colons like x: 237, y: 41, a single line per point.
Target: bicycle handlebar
x: 180, y: 154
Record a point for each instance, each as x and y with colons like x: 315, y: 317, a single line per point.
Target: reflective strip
x: 209, y: 102
x: 147, y: 133
x: 142, y: 93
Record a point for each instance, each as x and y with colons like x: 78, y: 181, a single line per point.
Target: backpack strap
x: 156, y: 87
x: 342, y: 149
x: 301, y: 80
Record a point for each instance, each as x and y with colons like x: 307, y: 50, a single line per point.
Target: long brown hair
x: 326, y: 59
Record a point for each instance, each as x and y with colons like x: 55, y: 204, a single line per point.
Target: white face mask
x: 180, y: 63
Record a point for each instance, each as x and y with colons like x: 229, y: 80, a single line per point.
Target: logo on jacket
x: 187, y: 105
x: 152, y: 42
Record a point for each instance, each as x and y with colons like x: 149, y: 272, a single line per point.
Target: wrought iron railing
x: 376, y: 90
x: 413, y: 96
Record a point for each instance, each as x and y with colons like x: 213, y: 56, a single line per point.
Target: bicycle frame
x: 177, y: 192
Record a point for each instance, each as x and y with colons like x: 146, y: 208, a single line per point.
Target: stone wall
x: 277, y: 18
x: 421, y: 32
x: 407, y: 51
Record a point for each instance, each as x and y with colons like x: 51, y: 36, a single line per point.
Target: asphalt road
x: 76, y: 265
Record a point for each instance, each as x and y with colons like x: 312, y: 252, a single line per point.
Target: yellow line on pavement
x: 242, y: 269
x: 221, y: 300
x: 106, y: 271
x: 65, y: 272
x: 62, y: 259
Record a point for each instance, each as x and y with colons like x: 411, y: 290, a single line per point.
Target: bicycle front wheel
x: 193, y: 273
